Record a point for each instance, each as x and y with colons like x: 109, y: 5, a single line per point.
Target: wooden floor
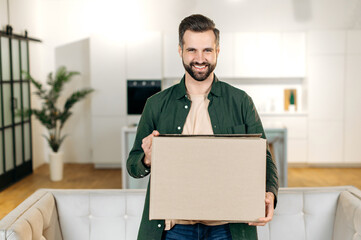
x: 322, y: 177
x: 75, y: 176
x: 78, y: 176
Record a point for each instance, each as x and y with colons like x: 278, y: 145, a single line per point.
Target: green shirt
x: 231, y: 111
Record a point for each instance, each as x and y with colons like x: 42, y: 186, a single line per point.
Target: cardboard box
x: 216, y: 177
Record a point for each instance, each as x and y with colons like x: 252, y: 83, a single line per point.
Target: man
x: 199, y: 104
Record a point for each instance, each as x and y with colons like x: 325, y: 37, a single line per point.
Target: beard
x: 199, y: 76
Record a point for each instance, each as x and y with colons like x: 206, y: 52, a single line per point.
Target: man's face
x: 199, y: 54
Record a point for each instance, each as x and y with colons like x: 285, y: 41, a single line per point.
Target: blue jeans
x: 198, y: 232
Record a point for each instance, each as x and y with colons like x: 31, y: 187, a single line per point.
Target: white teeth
x: 200, y: 67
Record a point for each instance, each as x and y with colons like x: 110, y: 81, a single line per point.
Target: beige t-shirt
x: 197, y: 122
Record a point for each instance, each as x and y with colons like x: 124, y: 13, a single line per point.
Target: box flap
x: 255, y: 135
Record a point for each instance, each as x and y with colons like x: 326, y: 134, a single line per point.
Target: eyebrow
x: 205, y: 49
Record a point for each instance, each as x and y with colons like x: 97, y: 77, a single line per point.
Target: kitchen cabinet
x: 248, y: 59
x: 326, y: 42
x: 144, y: 56
x: 326, y: 76
x: 293, y: 55
x: 225, y: 61
x: 106, y: 141
x: 326, y: 87
x: 108, y: 105
x: 297, y: 150
x: 269, y: 55
x: 297, y: 134
x: 352, y: 117
x: 172, y: 62
x: 108, y: 76
x: 352, y: 151
x: 325, y: 141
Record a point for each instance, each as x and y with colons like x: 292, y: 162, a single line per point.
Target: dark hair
x: 197, y: 23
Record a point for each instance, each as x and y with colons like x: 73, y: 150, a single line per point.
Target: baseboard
x: 324, y: 165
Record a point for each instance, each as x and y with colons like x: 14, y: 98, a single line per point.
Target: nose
x: 199, y: 58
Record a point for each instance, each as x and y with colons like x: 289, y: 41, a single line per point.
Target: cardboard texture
x: 208, y: 178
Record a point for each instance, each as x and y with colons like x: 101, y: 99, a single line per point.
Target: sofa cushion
x: 319, y: 214
x: 99, y: 214
x: 348, y: 217
x: 307, y: 214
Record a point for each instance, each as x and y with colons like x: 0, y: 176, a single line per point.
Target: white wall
x: 77, y: 145
x: 61, y: 22
x: 281, y: 15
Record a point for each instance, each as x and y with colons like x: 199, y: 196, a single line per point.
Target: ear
x: 180, y: 50
x: 217, y: 50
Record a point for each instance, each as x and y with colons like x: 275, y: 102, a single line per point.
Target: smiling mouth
x: 200, y: 67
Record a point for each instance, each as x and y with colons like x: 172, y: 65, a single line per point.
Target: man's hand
x: 270, y: 198
x: 147, y: 147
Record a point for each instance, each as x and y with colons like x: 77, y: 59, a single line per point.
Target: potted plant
x: 52, y: 117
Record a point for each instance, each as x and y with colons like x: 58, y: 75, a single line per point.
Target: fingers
x: 256, y: 224
x: 261, y: 221
x: 147, y: 147
x: 147, y: 141
x: 269, y: 211
x: 146, y: 144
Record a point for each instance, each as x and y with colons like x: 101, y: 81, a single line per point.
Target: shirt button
x: 147, y: 171
x: 186, y: 107
x: 159, y: 225
x: 179, y: 128
x: 215, y: 126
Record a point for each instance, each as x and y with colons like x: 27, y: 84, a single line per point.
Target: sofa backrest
x: 303, y: 213
x: 99, y: 214
x: 35, y: 218
x: 348, y: 216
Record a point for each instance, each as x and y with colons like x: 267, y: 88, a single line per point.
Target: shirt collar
x: 182, y: 92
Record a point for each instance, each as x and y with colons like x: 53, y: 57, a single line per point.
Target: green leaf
x: 75, y: 97
x: 63, y: 117
x: 49, y: 114
x: 53, y: 142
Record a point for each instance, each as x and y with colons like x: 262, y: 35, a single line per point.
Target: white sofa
x: 302, y: 213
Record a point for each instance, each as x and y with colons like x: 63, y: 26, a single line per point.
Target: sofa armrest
x: 35, y: 218
x: 348, y: 216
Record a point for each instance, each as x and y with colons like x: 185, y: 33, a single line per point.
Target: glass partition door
x: 15, y: 131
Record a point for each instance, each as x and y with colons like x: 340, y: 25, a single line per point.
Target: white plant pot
x: 56, y: 166
x: 292, y: 108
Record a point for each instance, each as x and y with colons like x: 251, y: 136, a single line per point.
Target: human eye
x: 208, y: 50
